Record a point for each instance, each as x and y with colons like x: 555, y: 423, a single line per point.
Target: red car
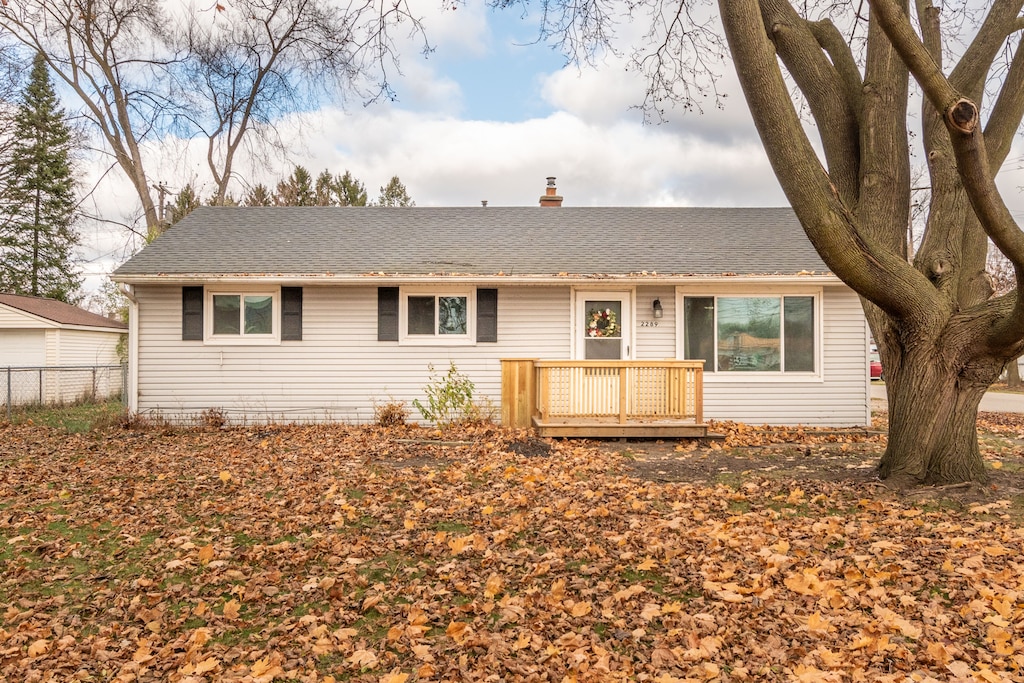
x: 875, y: 364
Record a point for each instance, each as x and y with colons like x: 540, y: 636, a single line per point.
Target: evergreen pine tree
x: 184, y: 203
x: 37, y: 234
x: 351, y: 192
x: 339, y: 190
x: 260, y: 195
x: 394, y: 194
x: 297, y: 189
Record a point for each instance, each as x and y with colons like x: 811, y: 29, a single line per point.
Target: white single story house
x: 299, y: 314
x: 38, y: 333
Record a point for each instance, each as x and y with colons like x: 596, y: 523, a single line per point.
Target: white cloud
x: 593, y: 142
x: 612, y: 93
x: 451, y: 162
x: 462, y: 32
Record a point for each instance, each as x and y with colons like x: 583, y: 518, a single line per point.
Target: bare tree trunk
x: 933, y: 410
x: 1013, y: 375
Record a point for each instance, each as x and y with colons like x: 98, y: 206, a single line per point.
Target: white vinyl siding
x: 84, y: 347
x: 340, y: 370
x: 11, y: 318
x: 28, y: 340
x: 655, y: 337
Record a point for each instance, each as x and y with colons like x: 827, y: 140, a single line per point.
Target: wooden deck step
x: 655, y: 429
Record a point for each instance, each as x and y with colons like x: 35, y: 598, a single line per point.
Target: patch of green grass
x: 392, y: 566
x: 452, y: 527
x: 1008, y: 466
x: 372, y: 625
x: 244, y: 540
x: 366, y: 522
x: 333, y: 663
x: 73, y: 418
x: 239, y: 635
x: 938, y: 505
x: 739, y: 506
x: 654, y: 581
x: 733, y: 480
x: 304, y: 608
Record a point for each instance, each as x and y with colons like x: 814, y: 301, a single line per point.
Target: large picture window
x: 750, y: 333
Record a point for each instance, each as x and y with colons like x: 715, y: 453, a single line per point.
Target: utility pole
x: 162, y: 191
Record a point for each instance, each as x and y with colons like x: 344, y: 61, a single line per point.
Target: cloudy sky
x: 488, y: 116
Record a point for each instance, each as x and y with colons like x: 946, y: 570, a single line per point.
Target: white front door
x: 603, y: 325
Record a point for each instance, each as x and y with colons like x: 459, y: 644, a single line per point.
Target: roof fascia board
x: 94, y: 328
x: 575, y: 280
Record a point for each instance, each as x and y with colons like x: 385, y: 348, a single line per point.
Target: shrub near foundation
x: 449, y: 399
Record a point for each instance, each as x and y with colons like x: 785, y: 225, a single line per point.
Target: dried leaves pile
x: 333, y: 553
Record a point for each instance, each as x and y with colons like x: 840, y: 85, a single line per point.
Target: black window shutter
x: 487, y: 315
x: 387, y: 314
x: 192, y: 313
x: 291, y: 313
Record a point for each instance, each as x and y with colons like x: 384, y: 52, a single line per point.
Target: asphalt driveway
x: 993, y: 402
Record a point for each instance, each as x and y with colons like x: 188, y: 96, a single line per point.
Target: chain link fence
x: 27, y: 386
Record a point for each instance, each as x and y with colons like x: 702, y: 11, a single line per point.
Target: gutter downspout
x: 133, y: 347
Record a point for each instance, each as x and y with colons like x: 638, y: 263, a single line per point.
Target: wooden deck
x: 588, y: 428
x: 641, y: 399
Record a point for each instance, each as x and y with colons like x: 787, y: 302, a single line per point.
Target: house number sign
x: 648, y: 323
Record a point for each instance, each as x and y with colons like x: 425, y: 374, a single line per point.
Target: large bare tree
x: 223, y: 71
x: 944, y: 340
x: 258, y: 60
x: 850, y: 66
x: 110, y: 54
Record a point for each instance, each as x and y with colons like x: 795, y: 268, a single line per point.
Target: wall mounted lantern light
x: 658, y: 310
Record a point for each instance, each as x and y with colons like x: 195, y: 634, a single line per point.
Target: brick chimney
x: 551, y: 196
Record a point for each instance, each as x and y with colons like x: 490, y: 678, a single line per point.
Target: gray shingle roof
x: 479, y: 241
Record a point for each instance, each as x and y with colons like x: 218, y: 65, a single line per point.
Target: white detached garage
x: 50, y: 351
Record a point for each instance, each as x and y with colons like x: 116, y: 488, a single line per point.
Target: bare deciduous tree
x: 944, y: 340
x: 942, y: 336
x: 258, y: 60
x: 225, y: 72
x: 11, y: 74
x: 111, y: 54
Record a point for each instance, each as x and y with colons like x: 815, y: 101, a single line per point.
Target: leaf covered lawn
x: 340, y: 553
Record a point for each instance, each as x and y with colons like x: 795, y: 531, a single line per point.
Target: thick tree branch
x: 838, y: 50
x: 883, y: 210
x: 896, y: 24
x: 822, y: 85
x: 954, y: 247
x: 877, y: 274
x: 963, y: 121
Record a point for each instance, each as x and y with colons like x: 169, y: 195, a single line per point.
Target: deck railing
x: 623, y: 391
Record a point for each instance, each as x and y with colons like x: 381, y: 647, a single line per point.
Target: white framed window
x: 243, y: 317
x: 743, y: 334
x: 433, y: 316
